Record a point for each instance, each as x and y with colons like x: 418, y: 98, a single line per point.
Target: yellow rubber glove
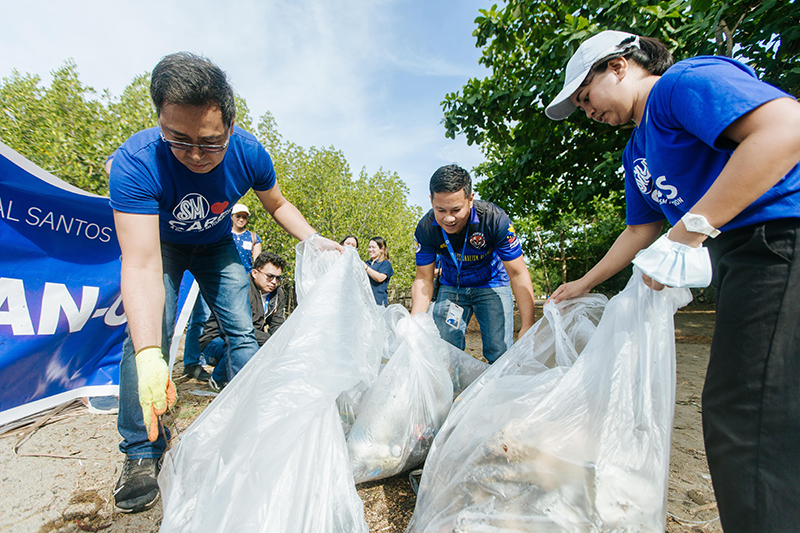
x: 156, y: 390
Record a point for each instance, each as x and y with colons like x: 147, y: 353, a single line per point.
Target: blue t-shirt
x: 676, y: 154
x: 491, y: 239
x: 146, y: 178
x: 380, y: 289
x: 244, y: 245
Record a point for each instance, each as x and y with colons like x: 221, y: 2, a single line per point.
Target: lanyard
x: 453, y: 256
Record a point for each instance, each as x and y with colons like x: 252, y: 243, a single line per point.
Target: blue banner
x: 61, y: 318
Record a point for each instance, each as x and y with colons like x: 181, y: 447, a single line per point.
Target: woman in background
x: 379, y: 269
x: 247, y: 242
x: 349, y: 240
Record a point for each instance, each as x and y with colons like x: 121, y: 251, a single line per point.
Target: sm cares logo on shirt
x: 192, y: 207
x: 192, y: 213
x: 659, y: 190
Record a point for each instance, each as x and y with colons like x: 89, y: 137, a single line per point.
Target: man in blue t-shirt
x: 482, y: 265
x: 172, y: 189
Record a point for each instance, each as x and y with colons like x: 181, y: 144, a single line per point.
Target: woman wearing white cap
x: 715, y: 151
x: 247, y: 242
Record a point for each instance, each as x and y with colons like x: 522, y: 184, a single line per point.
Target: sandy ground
x: 72, y: 492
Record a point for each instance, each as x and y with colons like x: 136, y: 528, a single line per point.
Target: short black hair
x: 187, y: 79
x: 451, y: 178
x: 269, y: 257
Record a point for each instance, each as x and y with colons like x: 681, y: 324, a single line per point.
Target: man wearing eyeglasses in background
x: 267, y: 302
x: 172, y: 189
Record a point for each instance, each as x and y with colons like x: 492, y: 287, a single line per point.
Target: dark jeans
x: 751, y: 397
x: 215, y: 350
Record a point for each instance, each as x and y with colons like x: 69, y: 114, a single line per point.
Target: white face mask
x: 674, y: 264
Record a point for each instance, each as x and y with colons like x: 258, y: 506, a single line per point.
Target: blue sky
x: 364, y: 76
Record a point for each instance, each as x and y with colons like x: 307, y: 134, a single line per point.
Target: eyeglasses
x: 269, y: 277
x: 185, y: 147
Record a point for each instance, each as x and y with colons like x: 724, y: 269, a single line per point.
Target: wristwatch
x: 699, y: 224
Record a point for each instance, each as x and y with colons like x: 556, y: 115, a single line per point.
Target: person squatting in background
x: 170, y: 188
x: 248, y: 244
x: 715, y: 151
x: 482, y: 266
x: 267, y: 305
x: 379, y: 269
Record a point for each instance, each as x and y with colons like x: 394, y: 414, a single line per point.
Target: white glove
x: 674, y: 264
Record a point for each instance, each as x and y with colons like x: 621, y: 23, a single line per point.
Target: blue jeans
x: 493, y: 308
x: 191, y: 347
x: 224, y: 285
x: 216, y: 350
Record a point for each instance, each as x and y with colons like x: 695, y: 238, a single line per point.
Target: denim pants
x: 216, y: 350
x: 224, y: 285
x: 198, y: 318
x: 493, y: 308
x: 751, y: 396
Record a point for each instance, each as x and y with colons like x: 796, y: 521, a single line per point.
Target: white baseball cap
x: 240, y: 208
x: 591, y: 51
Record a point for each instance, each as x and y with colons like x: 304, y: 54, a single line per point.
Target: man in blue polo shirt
x: 172, y: 190
x: 482, y: 266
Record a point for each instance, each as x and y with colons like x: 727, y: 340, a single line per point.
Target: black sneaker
x: 196, y: 372
x: 137, y: 488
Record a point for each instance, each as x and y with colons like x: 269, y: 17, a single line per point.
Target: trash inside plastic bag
x: 405, y: 407
x: 538, y: 445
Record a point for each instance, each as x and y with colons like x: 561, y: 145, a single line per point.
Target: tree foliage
x: 552, y: 171
x: 67, y: 128
x: 70, y: 130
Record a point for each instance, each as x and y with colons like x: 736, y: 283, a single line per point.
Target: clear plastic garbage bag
x: 269, y: 453
x: 535, y: 447
x: 403, y: 410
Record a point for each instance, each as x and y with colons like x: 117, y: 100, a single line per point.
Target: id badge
x: 454, y: 314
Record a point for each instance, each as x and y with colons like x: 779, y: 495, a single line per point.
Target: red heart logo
x: 218, y: 207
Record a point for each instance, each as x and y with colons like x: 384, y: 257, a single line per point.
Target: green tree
x: 58, y: 128
x: 67, y: 128
x: 133, y: 111
x: 553, y: 171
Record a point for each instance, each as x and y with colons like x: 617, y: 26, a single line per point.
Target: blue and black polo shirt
x: 491, y: 239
